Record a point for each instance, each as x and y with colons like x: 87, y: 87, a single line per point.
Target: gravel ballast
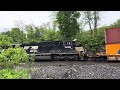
x: 82, y: 71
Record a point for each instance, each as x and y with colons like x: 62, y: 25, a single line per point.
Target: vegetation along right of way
x: 65, y: 25
x: 11, y: 58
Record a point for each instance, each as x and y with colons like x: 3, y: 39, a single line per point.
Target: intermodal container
x: 113, y: 49
x: 112, y: 35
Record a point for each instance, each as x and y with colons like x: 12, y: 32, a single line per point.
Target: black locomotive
x: 55, y: 50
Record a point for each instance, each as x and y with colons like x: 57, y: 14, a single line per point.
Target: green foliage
x: 89, y: 42
x: 14, y: 74
x: 92, y: 43
x: 33, y: 34
x: 6, y: 33
x: 5, y: 41
x: 13, y: 56
x: 38, y: 34
x: 52, y: 35
x: 67, y: 23
x: 17, y: 35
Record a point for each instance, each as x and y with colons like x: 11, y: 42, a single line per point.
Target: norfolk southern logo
x: 119, y: 52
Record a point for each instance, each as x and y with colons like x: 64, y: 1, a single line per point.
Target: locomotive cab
x: 68, y: 44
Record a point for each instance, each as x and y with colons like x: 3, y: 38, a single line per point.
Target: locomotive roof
x: 44, y: 43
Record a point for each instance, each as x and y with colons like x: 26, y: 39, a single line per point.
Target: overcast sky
x: 8, y: 18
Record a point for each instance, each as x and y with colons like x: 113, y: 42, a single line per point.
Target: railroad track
x: 38, y: 64
x: 63, y: 63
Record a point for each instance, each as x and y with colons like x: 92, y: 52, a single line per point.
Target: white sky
x: 8, y: 18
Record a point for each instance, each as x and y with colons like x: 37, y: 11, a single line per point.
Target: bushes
x: 13, y: 56
x: 14, y: 74
x: 5, y: 41
x: 92, y: 43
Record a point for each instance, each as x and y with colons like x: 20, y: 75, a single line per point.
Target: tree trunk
x: 89, y: 21
x: 90, y: 28
x: 95, y: 23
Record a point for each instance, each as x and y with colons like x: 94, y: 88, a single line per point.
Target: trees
x: 17, y: 35
x: 89, y: 19
x: 6, y: 33
x: 92, y: 17
x: 37, y: 34
x: 67, y: 23
x: 20, y: 25
x: 96, y: 18
x: 30, y: 34
x: 91, y: 43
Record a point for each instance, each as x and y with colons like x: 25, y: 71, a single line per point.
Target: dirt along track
x: 74, y: 70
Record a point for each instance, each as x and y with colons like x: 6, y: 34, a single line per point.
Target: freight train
x: 71, y: 50
x: 60, y: 50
